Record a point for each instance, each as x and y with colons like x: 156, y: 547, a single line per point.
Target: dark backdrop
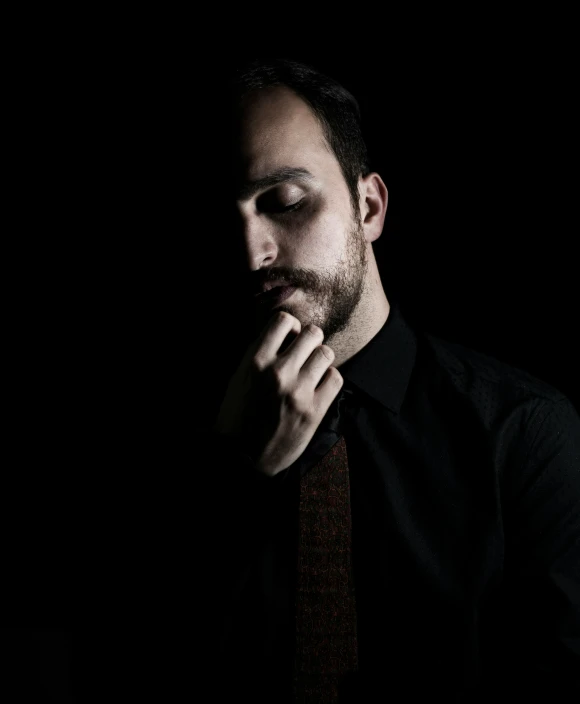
x: 140, y: 323
x: 477, y: 247
x: 35, y: 666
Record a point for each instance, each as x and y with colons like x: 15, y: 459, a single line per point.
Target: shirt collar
x: 382, y: 368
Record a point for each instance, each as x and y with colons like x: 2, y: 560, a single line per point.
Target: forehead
x: 278, y: 129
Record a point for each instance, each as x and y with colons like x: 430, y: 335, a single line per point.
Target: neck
x: 367, y: 320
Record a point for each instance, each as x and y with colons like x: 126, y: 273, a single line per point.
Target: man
x: 460, y: 561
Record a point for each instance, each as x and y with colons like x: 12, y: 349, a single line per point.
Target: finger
x: 302, y: 348
x: 274, y: 334
x: 327, y: 391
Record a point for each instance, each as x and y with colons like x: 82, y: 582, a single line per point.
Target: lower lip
x: 277, y: 295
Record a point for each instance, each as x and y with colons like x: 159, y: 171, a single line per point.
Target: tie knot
x: 345, y: 396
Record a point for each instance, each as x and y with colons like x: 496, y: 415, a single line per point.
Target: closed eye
x: 273, y: 205
x: 290, y: 208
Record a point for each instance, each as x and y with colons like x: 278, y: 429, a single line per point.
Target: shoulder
x: 530, y: 420
x: 471, y: 371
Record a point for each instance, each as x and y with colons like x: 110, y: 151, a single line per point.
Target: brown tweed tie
x: 326, y: 637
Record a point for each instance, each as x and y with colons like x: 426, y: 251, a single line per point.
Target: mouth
x: 276, y: 294
x: 270, y: 291
x: 269, y: 286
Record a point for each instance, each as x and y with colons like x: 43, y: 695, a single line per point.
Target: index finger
x: 281, y: 326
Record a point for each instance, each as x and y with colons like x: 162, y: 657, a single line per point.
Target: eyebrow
x: 285, y: 173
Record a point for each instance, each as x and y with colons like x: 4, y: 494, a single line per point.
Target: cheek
x: 328, y: 227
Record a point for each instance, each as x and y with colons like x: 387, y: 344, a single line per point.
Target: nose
x: 256, y: 240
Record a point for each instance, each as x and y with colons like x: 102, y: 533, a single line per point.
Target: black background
x: 36, y: 665
x: 135, y: 320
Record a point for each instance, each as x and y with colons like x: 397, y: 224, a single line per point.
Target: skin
x: 322, y: 247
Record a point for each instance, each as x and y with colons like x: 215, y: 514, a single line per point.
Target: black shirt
x: 465, y: 501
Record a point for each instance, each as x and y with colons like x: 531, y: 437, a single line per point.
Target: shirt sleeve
x: 542, y: 559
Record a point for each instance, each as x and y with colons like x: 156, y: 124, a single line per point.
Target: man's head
x: 307, y: 204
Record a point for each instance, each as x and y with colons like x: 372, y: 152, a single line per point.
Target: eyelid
x: 294, y: 206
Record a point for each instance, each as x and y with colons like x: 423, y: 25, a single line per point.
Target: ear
x: 374, y: 198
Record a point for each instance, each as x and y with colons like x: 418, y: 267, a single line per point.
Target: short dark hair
x: 336, y: 109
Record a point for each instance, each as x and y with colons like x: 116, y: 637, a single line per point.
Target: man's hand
x: 272, y: 406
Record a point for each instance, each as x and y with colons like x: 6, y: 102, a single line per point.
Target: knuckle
x: 314, y: 329
x: 327, y: 351
x: 297, y: 404
x: 277, y: 373
x: 257, y: 362
x: 337, y: 375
